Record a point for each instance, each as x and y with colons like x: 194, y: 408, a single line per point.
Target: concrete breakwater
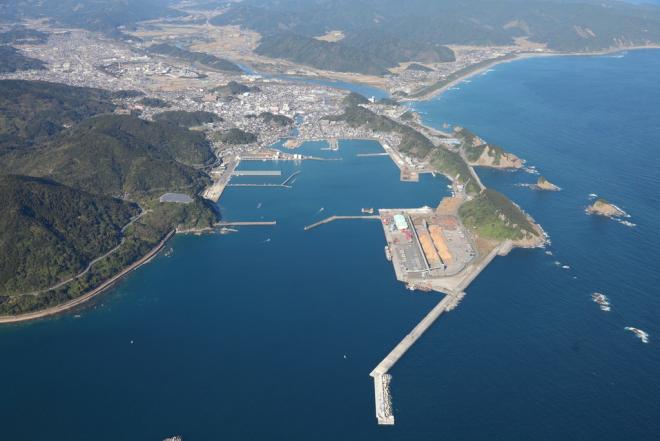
x: 334, y: 218
x: 448, y: 303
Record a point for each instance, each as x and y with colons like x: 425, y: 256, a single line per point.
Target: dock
x: 245, y: 223
x: 410, y: 339
x: 214, y: 192
x: 334, y: 218
x: 257, y: 173
x: 284, y: 184
x: 293, y: 175
x: 366, y: 155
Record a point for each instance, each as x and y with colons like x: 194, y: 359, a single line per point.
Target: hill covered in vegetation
x: 384, y: 33
x: 11, y: 60
x: 31, y: 111
x: 120, y: 155
x: 187, y: 119
x: 205, y: 59
x: 84, y: 171
x: 493, y: 216
x: 49, y: 231
x: 105, y: 16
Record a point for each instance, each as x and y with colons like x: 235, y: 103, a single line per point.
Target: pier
x: 284, y: 184
x: 366, y: 155
x: 334, y: 218
x: 293, y: 175
x: 246, y: 224
x: 214, y: 192
x: 257, y: 173
x: 383, y: 399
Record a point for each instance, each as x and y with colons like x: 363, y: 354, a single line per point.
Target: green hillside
x: 121, y: 155
x: 31, y: 111
x: 207, y: 60
x: 49, y: 232
x: 11, y: 60
x: 384, y: 33
x: 187, y: 119
x: 493, y: 216
x: 321, y: 54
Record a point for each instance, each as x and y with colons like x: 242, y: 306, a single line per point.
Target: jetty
x: 214, y: 192
x: 453, y: 295
x: 366, y: 155
x: 334, y: 218
x: 293, y: 175
x: 257, y: 173
x: 245, y: 223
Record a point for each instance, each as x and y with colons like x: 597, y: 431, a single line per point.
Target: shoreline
x: 63, y: 307
x: 354, y: 78
x: 516, y: 57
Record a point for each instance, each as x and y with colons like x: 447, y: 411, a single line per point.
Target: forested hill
x: 120, y: 155
x: 194, y: 57
x: 11, y: 60
x: 82, y: 173
x: 96, y: 15
x: 33, y: 110
x: 49, y: 231
x: 393, y: 31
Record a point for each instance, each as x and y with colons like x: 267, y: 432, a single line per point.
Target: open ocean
x: 270, y: 333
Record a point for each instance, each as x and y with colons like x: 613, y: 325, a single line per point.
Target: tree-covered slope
x: 418, y: 30
x: 49, y: 231
x: 11, y: 60
x: 33, y: 110
x: 321, y: 54
x: 96, y: 15
x: 121, y: 155
x: 194, y: 57
x: 187, y: 119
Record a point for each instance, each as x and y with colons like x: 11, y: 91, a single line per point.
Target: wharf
x: 214, y: 192
x: 334, y: 218
x: 410, y: 339
x: 366, y: 155
x: 246, y: 224
x: 257, y: 173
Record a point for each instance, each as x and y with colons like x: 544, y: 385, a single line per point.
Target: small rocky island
x: 545, y: 185
x: 603, y: 208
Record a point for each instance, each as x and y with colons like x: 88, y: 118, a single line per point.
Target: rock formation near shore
x: 603, y: 208
x: 544, y: 184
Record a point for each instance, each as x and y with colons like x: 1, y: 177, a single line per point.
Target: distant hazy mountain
x: 391, y: 31
x: 98, y: 15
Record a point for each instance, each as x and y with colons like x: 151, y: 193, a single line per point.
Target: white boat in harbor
x: 643, y: 336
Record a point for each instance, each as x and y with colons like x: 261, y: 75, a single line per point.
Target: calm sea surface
x: 270, y: 333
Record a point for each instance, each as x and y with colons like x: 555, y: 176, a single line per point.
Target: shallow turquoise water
x: 244, y: 336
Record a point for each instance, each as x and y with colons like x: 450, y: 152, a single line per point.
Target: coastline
x: 516, y: 57
x: 53, y: 310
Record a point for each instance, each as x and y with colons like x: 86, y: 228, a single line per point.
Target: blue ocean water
x: 270, y: 333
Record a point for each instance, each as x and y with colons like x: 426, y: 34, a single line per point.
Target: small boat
x: 388, y: 253
x: 368, y: 210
